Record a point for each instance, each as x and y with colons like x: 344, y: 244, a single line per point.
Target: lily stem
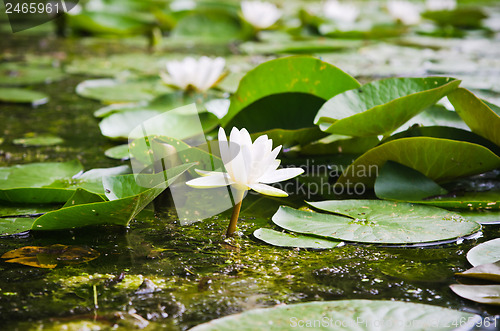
x: 236, y: 212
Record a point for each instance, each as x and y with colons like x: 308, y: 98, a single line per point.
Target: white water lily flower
x: 260, y: 14
x: 190, y: 73
x: 435, y: 5
x: 405, y: 11
x: 248, y: 165
x: 342, y: 12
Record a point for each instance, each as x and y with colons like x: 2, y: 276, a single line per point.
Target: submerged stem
x: 236, y: 212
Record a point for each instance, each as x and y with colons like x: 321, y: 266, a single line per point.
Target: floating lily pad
x: 339, y: 144
x: 121, y: 125
x: 108, y: 23
x: 320, y: 45
x: 276, y: 77
x: 272, y: 96
x: 488, y: 271
x: 111, y: 90
x: 16, y: 74
x: 127, y: 200
x: 400, y: 183
x: 50, y: 256
x: 119, y: 152
x: 376, y: 221
x: 281, y: 239
x: 408, y: 316
x: 462, y: 17
x: 38, y: 141
x: 382, y: 106
x: 436, y: 158
x: 214, y: 25
x: 111, y: 66
x: 14, y: 225
x: 487, y: 252
x: 19, y: 95
x: 482, y: 216
x: 478, y: 116
x: 489, y: 294
x: 50, y: 182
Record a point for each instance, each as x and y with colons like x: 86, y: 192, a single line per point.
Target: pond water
x: 157, y: 274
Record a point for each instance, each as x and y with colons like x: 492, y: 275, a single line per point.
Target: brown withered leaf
x: 50, y: 256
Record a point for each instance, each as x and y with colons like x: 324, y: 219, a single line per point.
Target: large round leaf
x: 399, y: 183
x: 51, y: 182
x: 127, y: 200
x: 346, y: 315
x: 296, y: 74
x: 15, y: 74
x: 174, y: 124
x: 487, y: 252
x: 211, y: 25
x: 111, y: 90
x: 489, y: 294
x: 106, y: 23
x: 382, y: 106
x: 38, y: 141
x: 478, y: 116
x: 19, y: 95
x: 281, y: 239
x: 376, y: 221
x: 437, y: 159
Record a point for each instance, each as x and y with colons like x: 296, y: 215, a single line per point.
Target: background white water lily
x: 260, y: 14
x: 190, y: 73
x: 440, y: 4
x: 405, y: 11
x: 343, y: 12
x: 248, y: 165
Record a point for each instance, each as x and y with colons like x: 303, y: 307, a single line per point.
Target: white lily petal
x: 206, y: 173
x: 280, y: 175
x: 268, y: 190
x: 215, y: 180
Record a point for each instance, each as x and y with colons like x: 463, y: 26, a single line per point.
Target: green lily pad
x: 281, y: 239
x: 339, y: 144
x: 488, y: 271
x: 400, y: 183
x: 382, y: 106
x: 296, y: 74
x: 461, y: 17
x: 376, y: 221
x: 482, y: 216
x: 19, y: 95
x: 111, y: 66
x: 14, y: 225
x: 111, y: 90
x: 435, y: 116
x: 128, y: 199
x: 119, y: 152
x: 436, y: 158
x: 478, y: 116
x: 274, y: 96
x: 38, y: 141
x: 489, y: 294
x: 214, y: 25
x: 320, y: 45
x: 162, y: 103
x: 353, y: 314
x: 175, y: 124
x: 50, y: 182
x: 107, y: 23
x: 17, y: 74
x: 487, y: 252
